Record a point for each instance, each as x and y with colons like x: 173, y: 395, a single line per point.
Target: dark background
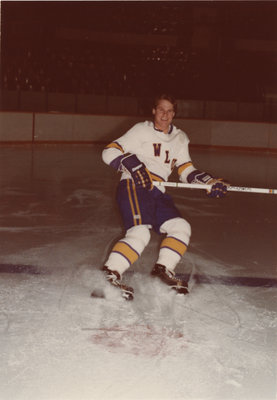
x: 223, y: 51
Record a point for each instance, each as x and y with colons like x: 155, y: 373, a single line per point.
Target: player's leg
x: 128, y: 249
x: 136, y: 210
x: 175, y: 244
x: 124, y: 253
x: 172, y: 248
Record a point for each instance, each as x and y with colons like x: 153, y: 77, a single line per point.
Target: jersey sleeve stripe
x: 184, y: 166
x: 114, y: 145
x: 116, y: 162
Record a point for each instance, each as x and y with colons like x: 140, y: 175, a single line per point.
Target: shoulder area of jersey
x: 174, y: 131
x: 178, y: 134
x: 142, y: 125
x: 182, y: 135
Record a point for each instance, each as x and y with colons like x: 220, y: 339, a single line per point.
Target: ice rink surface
x: 59, y: 220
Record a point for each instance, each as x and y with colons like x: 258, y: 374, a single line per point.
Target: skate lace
x: 113, y: 279
x: 169, y: 273
x: 179, y: 282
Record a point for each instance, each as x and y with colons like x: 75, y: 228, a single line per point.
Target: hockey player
x: 148, y: 152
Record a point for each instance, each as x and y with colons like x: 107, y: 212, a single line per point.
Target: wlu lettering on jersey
x: 157, y: 153
x: 157, y: 149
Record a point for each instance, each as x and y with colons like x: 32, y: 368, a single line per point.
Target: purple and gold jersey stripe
x: 183, y: 167
x: 133, y: 200
x: 126, y: 251
x: 114, y: 145
x: 175, y: 245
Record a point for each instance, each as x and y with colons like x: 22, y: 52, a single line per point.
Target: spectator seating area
x: 135, y: 51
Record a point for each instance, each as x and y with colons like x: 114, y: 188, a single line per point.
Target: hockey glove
x: 219, y: 187
x: 140, y: 174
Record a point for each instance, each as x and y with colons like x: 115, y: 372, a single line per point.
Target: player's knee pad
x: 138, y: 237
x: 175, y: 244
x: 177, y: 228
x: 128, y: 249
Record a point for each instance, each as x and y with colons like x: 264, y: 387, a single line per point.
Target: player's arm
x: 121, y: 156
x: 115, y: 151
x: 189, y: 174
x: 218, y: 185
x: 112, y: 154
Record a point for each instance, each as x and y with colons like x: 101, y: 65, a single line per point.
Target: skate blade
x: 180, y: 290
x: 127, y: 295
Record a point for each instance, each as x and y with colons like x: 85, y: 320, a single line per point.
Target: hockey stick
x: 208, y: 187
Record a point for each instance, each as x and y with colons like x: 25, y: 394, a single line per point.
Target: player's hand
x: 219, y: 188
x: 140, y: 174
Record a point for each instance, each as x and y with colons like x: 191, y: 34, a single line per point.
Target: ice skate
x: 169, y: 278
x: 114, y: 278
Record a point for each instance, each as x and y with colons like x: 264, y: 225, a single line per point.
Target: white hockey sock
x: 174, y: 245
x: 117, y: 263
x: 127, y: 250
x: 168, y: 258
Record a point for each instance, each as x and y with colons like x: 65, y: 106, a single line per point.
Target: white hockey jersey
x: 159, y: 152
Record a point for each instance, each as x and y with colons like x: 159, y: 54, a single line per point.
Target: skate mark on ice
x: 4, y: 322
x: 20, y: 269
x: 233, y: 280
x: 136, y: 339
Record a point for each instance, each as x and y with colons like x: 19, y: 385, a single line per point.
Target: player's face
x: 163, y: 115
